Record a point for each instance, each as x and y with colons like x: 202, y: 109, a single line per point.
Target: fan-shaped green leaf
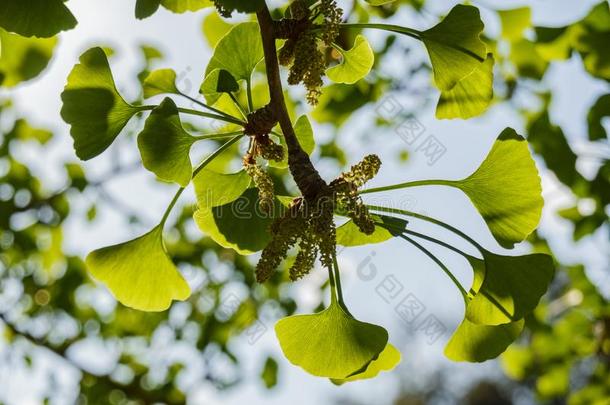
x: 218, y: 81
x: 470, y: 96
x: 506, y: 189
x: 348, y: 233
x: 511, y: 288
x: 39, y: 18
x: 214, y: 189
x: 239, y: 225
x: 304, y: 133
x: 139, y: 273
x: 146, y: 8
x: 387, y: 360
x: 92, y: 105
x: 165, y: 145
x: 330, y: 343
x: 239, y: 51
x: 161, y: 81
x: 477, y: 343
x: 22, y: 58
x: 454, y: 46
x: 214, y: 28
x: 356, y: 64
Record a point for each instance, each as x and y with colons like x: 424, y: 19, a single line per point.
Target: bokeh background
x: 64, y: 339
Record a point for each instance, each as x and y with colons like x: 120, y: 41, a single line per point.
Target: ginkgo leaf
x: 506, y: 189
x: 387, y: 360
x: 454, y: 46
x: 348, y: 234
x: 39, y: 18
x: 239, y: 51
x: 304, y: 133
x: 356, y: 63
x: 214, y: 28
x: 330, y: 343
x: 21, y: 58
x: 214, y: 189
x: 217, y: 82
x: 470, y: 96
x: 511, y: 287
x: 92, y: 105
x: 478, y: 343
x: 165, y: 145
x: 139, y: 273
x: 239, y: 225
x: 161, y: 81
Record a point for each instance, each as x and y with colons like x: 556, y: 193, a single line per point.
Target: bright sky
x: 111, y: 22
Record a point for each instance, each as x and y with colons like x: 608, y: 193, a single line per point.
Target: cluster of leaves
x: 505, y: 188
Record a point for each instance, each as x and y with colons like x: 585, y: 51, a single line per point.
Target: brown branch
x: 304, y: 173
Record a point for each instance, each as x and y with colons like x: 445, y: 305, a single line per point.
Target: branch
x: 305, y: 175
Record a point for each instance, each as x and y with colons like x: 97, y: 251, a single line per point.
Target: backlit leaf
x: 239, y: 51
x: 217, y: 82
x: 182, y: 6
x: 511, y: 287
x: 214, y: 28
x: 39, y: 18
x: 506, y: 189
x: 470, y: 96
x: 214, y: 189
x: 92, y: 105
x: 304, y: 133
x: 387, y: 360
x: 239, y: 225
x: 515, y: 22
x: 161, y: 81
x: 165, y: 145
x: 139, y: 273
x: 454, y: 46
x: 477, y: 343
x: 356, y: 63
x: 330, y: 343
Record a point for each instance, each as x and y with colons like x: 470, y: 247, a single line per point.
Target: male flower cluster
x: 312, y: 227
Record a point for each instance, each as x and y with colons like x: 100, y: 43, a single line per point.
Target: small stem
x: 213, y: 116
x: 338, y: 280
x: 249, y: 91
x: 217, y: 136
x: 386, y: 27
x: 333, y: 286
x: 440, y: 264
x: 428, y: 219
x: 204, y: 105
x: 408, y: 184
x: 238, y: 106
x: 439, y: 242
x: 199, y: 168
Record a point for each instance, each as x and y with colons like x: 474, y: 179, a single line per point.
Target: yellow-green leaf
x: 506, y: 189
x: 330, y: 343
x: 22, y: 59
x: 214, y: 189
x: 470, y: 96
x: 514, y: 22
x: 92, y: 105
x: 454, y: 46
x: 165, y: 145
x: 39, y: 18
x: 478, y: 343
x: 139, y: 273
x: 387, y: 360
x: 161, y: 81
x: 356, y: 63
x: 304, y: 133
